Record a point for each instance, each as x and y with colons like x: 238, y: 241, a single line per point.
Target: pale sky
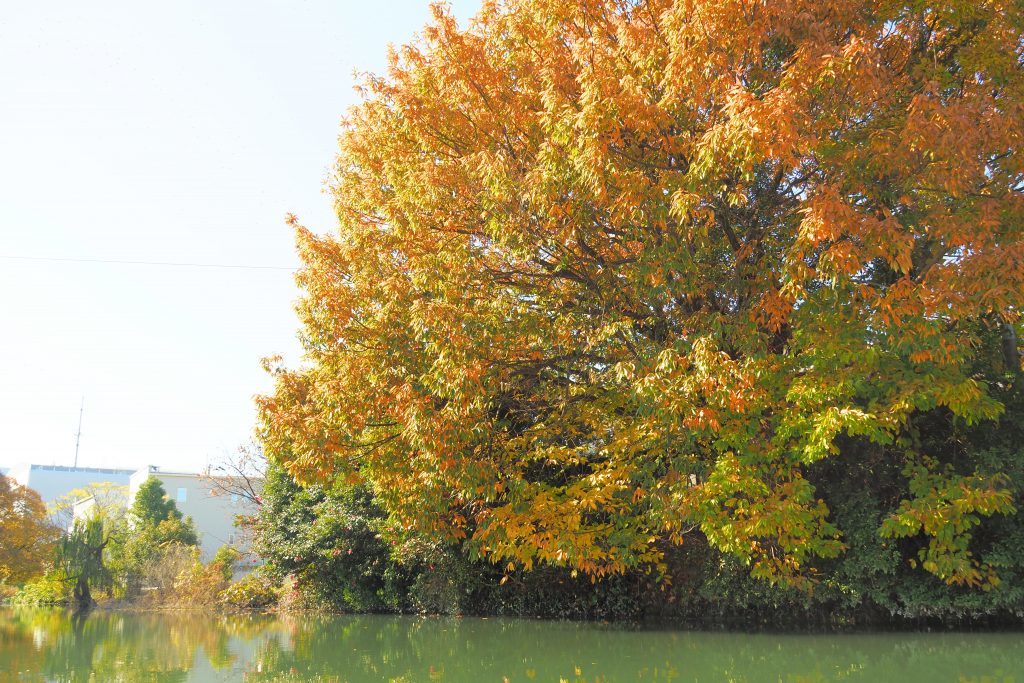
x: 164, y: 132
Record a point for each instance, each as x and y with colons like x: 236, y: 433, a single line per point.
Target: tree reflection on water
x: 53, y: 645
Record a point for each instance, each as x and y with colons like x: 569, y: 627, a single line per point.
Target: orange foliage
x: 26, y: 535
x: 611, y: 270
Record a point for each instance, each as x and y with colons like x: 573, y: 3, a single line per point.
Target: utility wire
x: 145, y: 263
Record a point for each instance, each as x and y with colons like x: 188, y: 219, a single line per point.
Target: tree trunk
x: 81, y: 596
x: 1011, y: 354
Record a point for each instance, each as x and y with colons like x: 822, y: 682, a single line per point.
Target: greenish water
x: 50, y: 645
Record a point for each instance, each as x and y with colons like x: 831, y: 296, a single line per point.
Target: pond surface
x: 50, y: 645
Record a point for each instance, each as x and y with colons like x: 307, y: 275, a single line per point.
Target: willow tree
x: 610, y: 272
x: 80, y: 559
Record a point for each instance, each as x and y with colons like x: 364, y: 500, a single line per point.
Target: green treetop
x: 152, y: 506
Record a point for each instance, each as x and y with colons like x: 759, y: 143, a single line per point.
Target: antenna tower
x: 78, y: 436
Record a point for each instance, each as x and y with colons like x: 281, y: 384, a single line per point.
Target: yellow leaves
x: 26, y: 535
x: 775, y: 528
x: 828, y: 424
x: 945, y: 508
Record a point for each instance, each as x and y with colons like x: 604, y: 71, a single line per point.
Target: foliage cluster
x: 108, y: 500
x: 26, y: 536
x: 872, y: 583
x: 153, y: 539
x: 327, y: 540
x: 196, y: 584
x: 47, y: 589
x: 255, y: 590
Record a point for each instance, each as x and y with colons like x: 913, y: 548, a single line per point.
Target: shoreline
x: 738, y: 626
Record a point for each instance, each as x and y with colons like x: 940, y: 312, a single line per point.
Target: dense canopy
x: 614, y: 272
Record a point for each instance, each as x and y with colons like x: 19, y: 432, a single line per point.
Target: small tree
x: 153, y: 510
x: 151, y: 505
x: 153, y: 524
x: 240, y: 474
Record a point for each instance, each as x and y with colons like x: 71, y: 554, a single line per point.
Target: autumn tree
x: 611, y: 272
x: 26, y: 535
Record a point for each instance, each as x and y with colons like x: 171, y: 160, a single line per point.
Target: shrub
x: 327, y: 540
x: 198, y: 585
x: 226, y: 559
x: 48, y: 589
x: 291, y: 597
x: 253, y: 591
x: 161, y: 572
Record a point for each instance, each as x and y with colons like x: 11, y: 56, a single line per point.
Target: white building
x: 53, y: 481
x: 83, y: 508
x: 212, y: 508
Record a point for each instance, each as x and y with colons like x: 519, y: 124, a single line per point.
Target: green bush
x: 327, y: 541
x: 253, y: 591
x: 225, y: 559
x: 49, y: 589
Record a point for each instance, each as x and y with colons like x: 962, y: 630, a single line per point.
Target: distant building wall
x: 213, y: 512
x: 82, y: 509
x: 53, y: 481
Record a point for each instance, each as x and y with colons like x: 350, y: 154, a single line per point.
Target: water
x: 50, y: 645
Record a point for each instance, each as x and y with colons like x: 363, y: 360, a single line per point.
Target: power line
x: 145, y: 263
